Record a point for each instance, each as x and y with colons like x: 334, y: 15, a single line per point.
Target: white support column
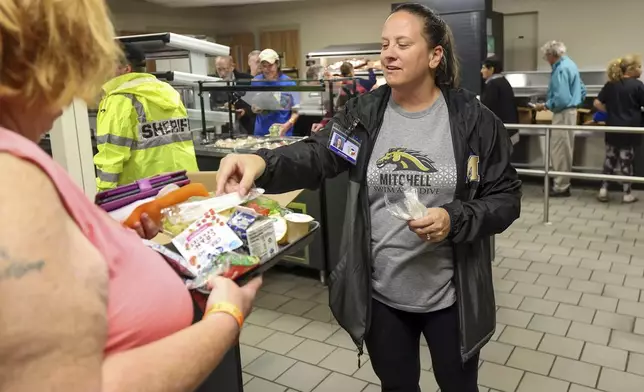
x: 71, y: 146
x: 199, y: 66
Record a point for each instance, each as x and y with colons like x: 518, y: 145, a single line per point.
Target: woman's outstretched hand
x: 238, y: 172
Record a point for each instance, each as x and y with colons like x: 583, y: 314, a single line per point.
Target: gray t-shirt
x: 412, y: 150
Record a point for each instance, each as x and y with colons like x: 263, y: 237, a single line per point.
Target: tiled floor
x: 570, y: 300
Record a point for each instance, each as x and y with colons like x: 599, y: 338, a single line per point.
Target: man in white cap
x: 280, y: 116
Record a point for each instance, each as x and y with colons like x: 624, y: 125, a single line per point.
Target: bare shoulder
x: 53, y: 285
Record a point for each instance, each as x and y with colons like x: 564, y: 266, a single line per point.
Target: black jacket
x: 481, y: 208
x: 498, y: 96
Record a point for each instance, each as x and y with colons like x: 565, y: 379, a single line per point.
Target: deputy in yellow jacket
x: 142, y: 127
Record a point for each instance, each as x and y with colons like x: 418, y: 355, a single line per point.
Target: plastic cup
x: 298, y: 226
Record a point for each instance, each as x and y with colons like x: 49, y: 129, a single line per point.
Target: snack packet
x: 206, y: 239
x: 409, y: 208
x: 229, y: 265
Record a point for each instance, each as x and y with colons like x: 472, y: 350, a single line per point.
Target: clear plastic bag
x: 409, y: 208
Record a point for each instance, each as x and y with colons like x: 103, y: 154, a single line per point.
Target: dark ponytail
x: 437, y: 32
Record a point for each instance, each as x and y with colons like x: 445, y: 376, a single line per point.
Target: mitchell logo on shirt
x: 411, y: 169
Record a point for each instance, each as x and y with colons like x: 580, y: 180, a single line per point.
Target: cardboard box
x: 544, y: 117
x: 525, y: 115
x: 209, y: 179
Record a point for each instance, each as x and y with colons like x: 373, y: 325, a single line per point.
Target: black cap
x: 133, y: 54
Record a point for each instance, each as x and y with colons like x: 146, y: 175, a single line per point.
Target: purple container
x: 142, y: 189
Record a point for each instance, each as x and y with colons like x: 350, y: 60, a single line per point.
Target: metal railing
x: 546, y: 173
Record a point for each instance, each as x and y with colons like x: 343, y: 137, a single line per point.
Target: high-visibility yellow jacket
x: 142, y: 129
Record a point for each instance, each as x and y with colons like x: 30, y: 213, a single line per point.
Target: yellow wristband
x: 228, y: 308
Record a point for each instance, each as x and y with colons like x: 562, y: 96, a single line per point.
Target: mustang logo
x: 405, y: 159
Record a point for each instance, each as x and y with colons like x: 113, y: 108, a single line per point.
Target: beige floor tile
x: 561, y: 346
x: 246, y: 378
x: 269, y: 366
x: 575, y: 272
x: 529, y: 290
x: 575, y: 313
x: 317, y: 330
x: 341, y: 339
x: 605, y: 356
x: 322, y: 313
x: 302, y: 377
x: 508, y: 300
x: 373, y: 388
x: 553, y: 281
x: 496, y: 352
x: 598, y: 302
x: 608, y: 278
x: 311, y: 351
x: 259, y: 385
x: 563, y: 261
x: 497, y: 331
x: 304, y: 292
x: 544, y: 267
x: 337, y: 382
x: 249, y: 354
x: 499, y: 377
x: 271, y: 301
x: 635, y: 364
x: 280, y: 343
x: 343, y: 361
x: 631, y: 308
x: 522, y: 276
x: 634, y: 282
x: 629, y: 270
x: 580, y: 388
x: 427, y: 381
x: 289, y: 323
x: 614, y: 321
x: 615, y: 381
x: 297, y: 307
x: 596, y: 265
x: 639, y: 326
x: 575, y: 371
x: 589, y: 333
x: 535, y: 383
x: 425, y: 358
x: 584, y: 286
x: 521, y: 337
x: 262, y: 317
x: 530, y: 360
x: 278, y: 286
x: 516, y: 318
x: 503, y: 286
x: 551, y: 325
x: 539, y: 306
x: 366, y: 373
x: 619, y: 292
x: 252, y: 334
x: 514, y: 264
x: 565, y: 296
x: 627, y: 341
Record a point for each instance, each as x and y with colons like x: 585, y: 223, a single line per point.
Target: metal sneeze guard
x: 546, y: 173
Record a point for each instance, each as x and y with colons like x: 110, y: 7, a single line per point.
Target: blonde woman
x: 622, y: 99
x: 84, y: 306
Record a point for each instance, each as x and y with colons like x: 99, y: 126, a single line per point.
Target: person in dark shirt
x: 622, y: 98
x: 498, y: 95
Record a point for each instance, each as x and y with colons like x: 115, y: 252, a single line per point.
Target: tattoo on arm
x: 13, y: 268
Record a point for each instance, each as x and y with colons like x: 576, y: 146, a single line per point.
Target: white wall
x: 321, y: 23
x: 595, y: 31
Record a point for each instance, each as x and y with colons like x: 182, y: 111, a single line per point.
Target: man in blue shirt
x: 274, y: 109
x: 566, y: 92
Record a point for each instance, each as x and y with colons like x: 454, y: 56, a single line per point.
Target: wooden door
x: 286, y: 43
x: 240, y: 46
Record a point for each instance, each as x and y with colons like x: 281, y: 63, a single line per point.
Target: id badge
x: 345, y: 146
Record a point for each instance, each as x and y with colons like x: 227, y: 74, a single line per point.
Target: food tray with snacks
x: 231, y: 236
x: 268, y: 143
